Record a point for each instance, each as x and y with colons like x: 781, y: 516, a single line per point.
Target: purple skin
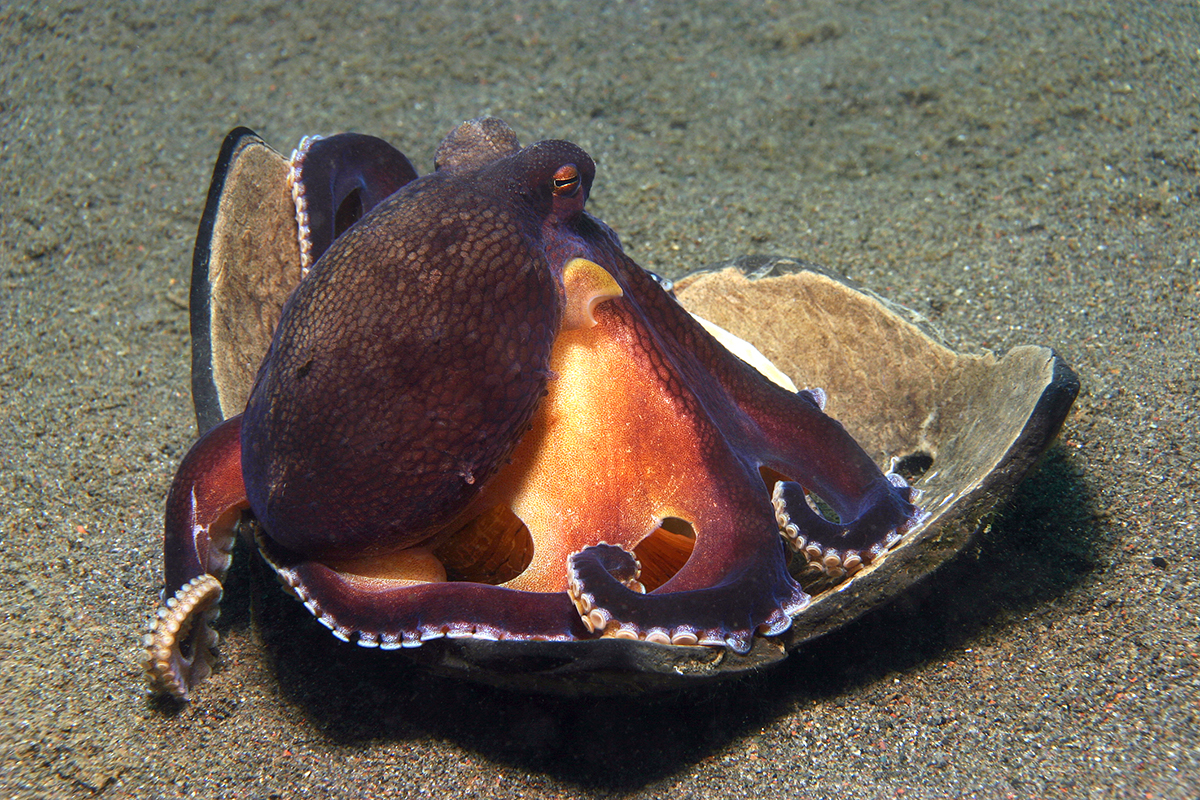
x: 407, y: 367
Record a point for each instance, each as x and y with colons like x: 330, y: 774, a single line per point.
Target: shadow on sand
x: 1045, y: 542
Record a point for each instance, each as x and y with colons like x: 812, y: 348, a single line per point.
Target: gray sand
x: 1020, y: 172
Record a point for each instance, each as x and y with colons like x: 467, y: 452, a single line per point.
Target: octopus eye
x: 566, y: 181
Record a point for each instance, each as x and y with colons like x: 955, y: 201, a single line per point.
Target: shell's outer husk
x: 980, y: 422
x: 246, y: 263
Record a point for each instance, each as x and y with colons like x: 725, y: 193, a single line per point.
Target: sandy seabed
x: 1018, y: 172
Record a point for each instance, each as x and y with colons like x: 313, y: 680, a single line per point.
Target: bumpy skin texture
x: 422, y: 373
x: 406, y: 367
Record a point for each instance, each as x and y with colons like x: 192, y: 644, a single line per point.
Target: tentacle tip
x: 180, y: 645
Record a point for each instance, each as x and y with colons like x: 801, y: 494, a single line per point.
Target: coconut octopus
x: 479, y: 418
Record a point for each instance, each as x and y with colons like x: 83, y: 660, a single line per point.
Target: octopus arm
x: 390, y: 614
x: 206, y: 501
x: 335, y: 181
x: 808, y: 458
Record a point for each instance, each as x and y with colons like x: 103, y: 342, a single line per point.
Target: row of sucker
x: 828, y: 563
x: 296, y: 184
x: 384, y: 640
x: 169, y: 669
x: 598, y: 619
x: 169, y: 666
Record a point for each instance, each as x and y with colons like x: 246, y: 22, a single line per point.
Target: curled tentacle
x: 604, y: 588
x: 180, y: 644
x: 842, y: 548
x: 335, y: 181
x: 205, y: 503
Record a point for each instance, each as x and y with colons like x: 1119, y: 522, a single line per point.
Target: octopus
x: 479, y: 418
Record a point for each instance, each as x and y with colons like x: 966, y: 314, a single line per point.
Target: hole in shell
x: 819, y: 505
x: 815, y: 502
x: 914, y: 465
x: 664, y: 552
